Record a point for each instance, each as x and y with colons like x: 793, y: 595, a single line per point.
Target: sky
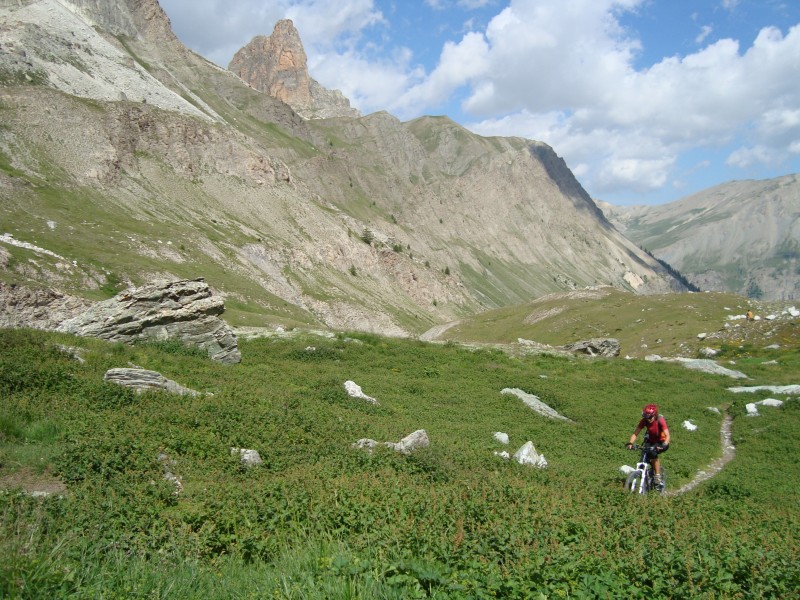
x: 647, y: 101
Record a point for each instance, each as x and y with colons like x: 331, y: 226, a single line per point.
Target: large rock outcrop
x: 277, y: 65
x: 183, y: 310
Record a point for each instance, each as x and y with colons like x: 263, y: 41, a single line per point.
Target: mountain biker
x: 657, y: 437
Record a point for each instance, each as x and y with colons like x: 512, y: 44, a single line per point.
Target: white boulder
x: 249, y: 458
x: 501, y: 437
x: 527, y: 455
x: 354, y: 391
x: 752, y: 407
x: 413, y: 441
x: 533, y: 402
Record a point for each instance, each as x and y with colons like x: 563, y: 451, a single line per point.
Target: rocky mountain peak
x: 277, y: 65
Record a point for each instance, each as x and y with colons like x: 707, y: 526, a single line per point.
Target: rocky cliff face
x: 741, y: 237
x: 123, y: 160
x: 277, y: 65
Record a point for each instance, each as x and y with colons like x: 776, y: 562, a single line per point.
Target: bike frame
x: 640, y: 481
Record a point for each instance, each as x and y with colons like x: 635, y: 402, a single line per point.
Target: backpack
x: 662, y: 426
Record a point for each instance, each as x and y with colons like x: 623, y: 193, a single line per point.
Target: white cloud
x: 472, y: 4
x: 458, y: 65
x: 705, y: 31
x: 467, y: 4
x: 367, y: 84
x: 577, y: 63
x: 747, y: 157
x: 550, y: 55
x: 636, y: 174
x: 321, y: 23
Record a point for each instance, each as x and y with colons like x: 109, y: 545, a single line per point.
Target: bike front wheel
x: 636, y: 483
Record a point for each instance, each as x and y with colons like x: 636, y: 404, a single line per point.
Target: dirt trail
x: 434, y: 333
x: 728, y: 452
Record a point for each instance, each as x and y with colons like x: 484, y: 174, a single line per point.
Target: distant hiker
x: 657, y: 438
x: 750, y: 315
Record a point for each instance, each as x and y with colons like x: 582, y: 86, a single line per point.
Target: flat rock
x: 143, y: 380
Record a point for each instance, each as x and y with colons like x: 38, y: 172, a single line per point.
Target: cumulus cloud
x: 746, y: 157
x: 566, y: 76
x: 467, y: 4
x: 323, y: 23
x: 472, y: 4
x: 369, y: 85
x: 458, y: 65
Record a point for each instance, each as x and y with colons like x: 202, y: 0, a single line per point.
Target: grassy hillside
x: 666, y: 324
x: 323, y: 520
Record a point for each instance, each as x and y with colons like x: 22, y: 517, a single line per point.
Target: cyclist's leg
x: 658, y: 479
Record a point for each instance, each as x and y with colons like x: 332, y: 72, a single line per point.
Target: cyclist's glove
x: 629, y: 446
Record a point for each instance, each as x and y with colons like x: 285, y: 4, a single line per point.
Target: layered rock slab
x: 184, y: 310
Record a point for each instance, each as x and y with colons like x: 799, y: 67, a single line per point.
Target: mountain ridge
x: 351, y: 223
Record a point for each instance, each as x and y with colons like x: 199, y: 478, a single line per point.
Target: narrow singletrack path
x: 728, y: 452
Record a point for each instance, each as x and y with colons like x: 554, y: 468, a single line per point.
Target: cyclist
x: 657, y: 437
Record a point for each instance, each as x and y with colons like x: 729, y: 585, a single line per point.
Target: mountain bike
x: 641, y: 480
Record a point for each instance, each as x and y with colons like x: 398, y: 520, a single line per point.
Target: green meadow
x: 321, y: 519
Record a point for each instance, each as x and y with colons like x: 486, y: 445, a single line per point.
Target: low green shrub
x: 322, y: 519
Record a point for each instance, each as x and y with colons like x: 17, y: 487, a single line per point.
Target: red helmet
x: 651, y: 410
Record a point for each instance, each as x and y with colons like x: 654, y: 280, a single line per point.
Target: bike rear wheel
x: 636, y: 483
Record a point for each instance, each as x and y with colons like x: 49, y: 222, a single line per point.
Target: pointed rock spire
x: 277, y: 65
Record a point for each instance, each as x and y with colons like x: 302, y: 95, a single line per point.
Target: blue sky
x: 646, y: 100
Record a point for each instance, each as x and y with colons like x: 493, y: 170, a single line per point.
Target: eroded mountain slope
x: 352, y: 223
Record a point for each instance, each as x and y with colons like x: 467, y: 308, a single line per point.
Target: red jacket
x: 656, y: 431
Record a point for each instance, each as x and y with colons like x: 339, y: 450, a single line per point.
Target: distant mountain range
x: 742, y: 236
